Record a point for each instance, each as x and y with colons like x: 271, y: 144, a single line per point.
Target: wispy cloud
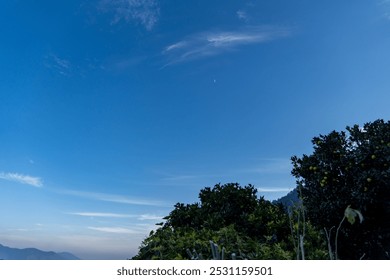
x: 144, y: 12
x: 61, y: 65
x: 242, y: 15
x: 141, y: 217
x: 101, y: 215
x: 214, y: 43
x: 149, y: 217
x: 273, y: 190
x: 385, y: 5
x: 113, y: 230
x: 271, y: 166
x: 116, y: 198
x: 23, y: 179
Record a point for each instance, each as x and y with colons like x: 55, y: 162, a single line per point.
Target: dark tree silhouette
x: 350, y: 169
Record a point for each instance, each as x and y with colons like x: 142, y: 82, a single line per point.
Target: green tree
x: 350, y: 169
x: 231, y: 216
x: 227, y: 204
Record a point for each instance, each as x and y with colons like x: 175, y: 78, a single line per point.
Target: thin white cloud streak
x: 213, y: 43
x: 144, y: 12
x: 274, y: 190
x: 272, y: 166
x: 102, y: 215
x: 114, y: 230
x: 149, y: 217
x: 116, y: 198
x: 141, y: 217
x: 22, y: 179
x: 177, y: 45
x: 173, y: 179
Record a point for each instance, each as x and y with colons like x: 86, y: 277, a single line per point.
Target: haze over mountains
x: 7, y: 253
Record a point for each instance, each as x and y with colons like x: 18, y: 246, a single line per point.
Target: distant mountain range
x: 289, y: 199
x: 7, y: 253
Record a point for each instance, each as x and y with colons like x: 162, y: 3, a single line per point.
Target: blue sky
x: 111, y: 111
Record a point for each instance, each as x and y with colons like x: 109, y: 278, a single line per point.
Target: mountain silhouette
x: 289, y: 199
x: 7, y: 253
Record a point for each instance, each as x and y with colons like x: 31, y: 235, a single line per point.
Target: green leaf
x: 351, y: 215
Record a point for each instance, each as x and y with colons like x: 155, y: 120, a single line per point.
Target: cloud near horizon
x: 214, y: 43
x: 116, y: 198
x: 114, y: 230
x: 141, y: 217
x: 22, y: 179
x: 101, y: 215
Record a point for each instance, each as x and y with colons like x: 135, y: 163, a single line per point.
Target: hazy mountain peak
x: 8, y: 253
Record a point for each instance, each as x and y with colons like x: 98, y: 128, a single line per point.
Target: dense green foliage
x: 234, y: 218
x: 343, y: 211
x: 350, y: 169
